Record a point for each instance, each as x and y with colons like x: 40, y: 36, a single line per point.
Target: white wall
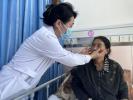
x: 95, y: 13
x: 123, y: 55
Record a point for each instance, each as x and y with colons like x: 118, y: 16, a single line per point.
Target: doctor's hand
x: 85, y: 51
x: 95, y: 53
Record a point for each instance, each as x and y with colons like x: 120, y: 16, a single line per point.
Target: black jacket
x: 88, y: 83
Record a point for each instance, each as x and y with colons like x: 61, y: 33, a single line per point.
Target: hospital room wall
x: 97, y: 13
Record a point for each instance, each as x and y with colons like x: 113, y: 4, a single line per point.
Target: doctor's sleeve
x: 50, y: 47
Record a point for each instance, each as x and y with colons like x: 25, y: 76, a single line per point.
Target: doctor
x: 40, y: 51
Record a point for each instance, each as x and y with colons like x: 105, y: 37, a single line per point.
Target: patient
x: 100, y: 79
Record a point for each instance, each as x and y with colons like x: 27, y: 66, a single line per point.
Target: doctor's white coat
x: 32, y: 59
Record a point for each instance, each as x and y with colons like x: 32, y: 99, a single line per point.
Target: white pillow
x: 53, y: 97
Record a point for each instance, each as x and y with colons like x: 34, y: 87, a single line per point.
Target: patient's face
x: 98, y: 44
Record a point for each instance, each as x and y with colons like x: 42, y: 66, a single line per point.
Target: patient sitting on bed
x: 100, y: 79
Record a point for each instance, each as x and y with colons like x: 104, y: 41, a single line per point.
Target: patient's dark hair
x: 106, y: 43
x: 62, y: 11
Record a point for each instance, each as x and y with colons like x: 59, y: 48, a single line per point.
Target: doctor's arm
x: 51, y: 48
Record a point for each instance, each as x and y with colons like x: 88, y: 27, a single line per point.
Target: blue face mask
x: 67, y: 34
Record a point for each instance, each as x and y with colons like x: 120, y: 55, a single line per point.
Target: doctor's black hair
x: 62, y: 11
x: 106, y: 43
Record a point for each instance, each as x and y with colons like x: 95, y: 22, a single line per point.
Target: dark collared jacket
x: 87, y: 82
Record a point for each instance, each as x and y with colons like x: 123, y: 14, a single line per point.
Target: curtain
x: 19, y: 19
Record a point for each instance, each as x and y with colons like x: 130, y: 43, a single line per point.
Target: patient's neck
x: 99, y: 64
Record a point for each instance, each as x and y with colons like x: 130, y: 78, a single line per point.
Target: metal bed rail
x: 30, y: 92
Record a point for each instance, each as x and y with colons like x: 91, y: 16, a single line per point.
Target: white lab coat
x: 32, y: 59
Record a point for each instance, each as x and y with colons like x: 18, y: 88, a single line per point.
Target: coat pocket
x: 16, y: 86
